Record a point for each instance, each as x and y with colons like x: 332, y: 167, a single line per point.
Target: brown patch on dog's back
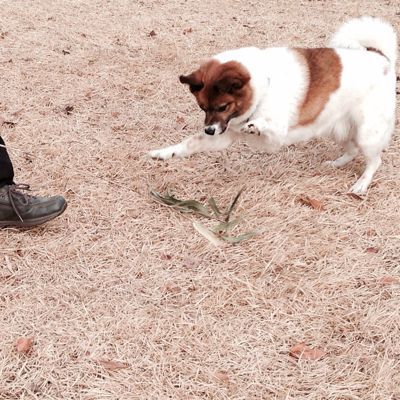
x: 323, y: 68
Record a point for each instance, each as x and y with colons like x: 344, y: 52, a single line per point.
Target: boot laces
x: 14, y: 193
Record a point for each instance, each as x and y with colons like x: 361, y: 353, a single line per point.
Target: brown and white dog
x: 279, y: 96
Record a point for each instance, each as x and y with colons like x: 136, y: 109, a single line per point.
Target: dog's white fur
x: 360, y: 114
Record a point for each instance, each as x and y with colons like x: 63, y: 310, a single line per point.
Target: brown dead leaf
x: 388, y: 280
x: 165, y: 256
x: 372, y: 250
x: 24, y: 345
x: 68, y: 110
x: 370, y: 232
x: 313, y: 203
x: 303, y: 352
x: 187, y: 30
x: 9, y: 123
x: 112, y: 365
x: 222, y: 376
x: 152, y: 33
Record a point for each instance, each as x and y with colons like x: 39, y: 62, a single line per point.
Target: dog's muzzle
x: 210, y: 130
x: 214, y: 129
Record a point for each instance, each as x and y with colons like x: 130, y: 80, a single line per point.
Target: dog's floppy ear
x: 233, y: 78
x: 193, y: 80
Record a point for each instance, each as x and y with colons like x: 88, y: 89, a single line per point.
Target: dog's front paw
x: 162, y: 154
x: 250, y: 128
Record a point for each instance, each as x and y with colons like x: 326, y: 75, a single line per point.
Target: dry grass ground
x: 122, y: 278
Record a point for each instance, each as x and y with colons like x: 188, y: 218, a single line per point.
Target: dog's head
x: 222, y: 91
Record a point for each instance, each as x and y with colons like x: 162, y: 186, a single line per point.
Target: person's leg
x: 18, y: 208
x: 6, y: 168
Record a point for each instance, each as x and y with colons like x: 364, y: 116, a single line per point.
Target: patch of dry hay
x: 121, y: 278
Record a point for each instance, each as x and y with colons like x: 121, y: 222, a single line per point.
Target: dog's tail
x: 368, y: 33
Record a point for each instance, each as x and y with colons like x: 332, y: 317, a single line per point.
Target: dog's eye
x: 196, y: 87
x: 222, y: 108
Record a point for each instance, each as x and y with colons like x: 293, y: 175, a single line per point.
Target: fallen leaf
x: 226, y: 226
x: 9, y: 123
x: 193, y: 206
x: 185, y: 206
x: 233, y: 204
x: 219, y: 233
x: 68, y: 109
x: 113, y: 365
x: 372, y: 250
x: 152, y: 33
x: 388, y: 280
x: 214, y: 207
x: 302, y: 352
x: 165, y: 256
x: 65, y: 52
x: 210, y: 236
x: 187, y: 30
x: 370, y: 232
x: 240, y: 238
x: 222, y: 376
x: 24, y: 345
x: 313, y: 203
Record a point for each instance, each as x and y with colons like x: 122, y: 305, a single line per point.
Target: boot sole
x: 34, y: 221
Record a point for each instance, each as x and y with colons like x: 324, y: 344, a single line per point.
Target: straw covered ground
x: 122, y: 297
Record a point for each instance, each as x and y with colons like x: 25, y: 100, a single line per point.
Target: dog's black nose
x: 210, y: 130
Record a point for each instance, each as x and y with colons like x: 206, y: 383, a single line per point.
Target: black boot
x: 22, y: 210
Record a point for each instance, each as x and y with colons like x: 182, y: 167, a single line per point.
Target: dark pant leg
x: 6, y: 168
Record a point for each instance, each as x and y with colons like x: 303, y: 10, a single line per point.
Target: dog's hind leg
x: 196, y: 144
x: 373, y: 162
x: 372, y: 139
x: 350, y: 152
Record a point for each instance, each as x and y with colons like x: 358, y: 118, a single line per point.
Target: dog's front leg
x: 264, y: 134
x: 195, y: 144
